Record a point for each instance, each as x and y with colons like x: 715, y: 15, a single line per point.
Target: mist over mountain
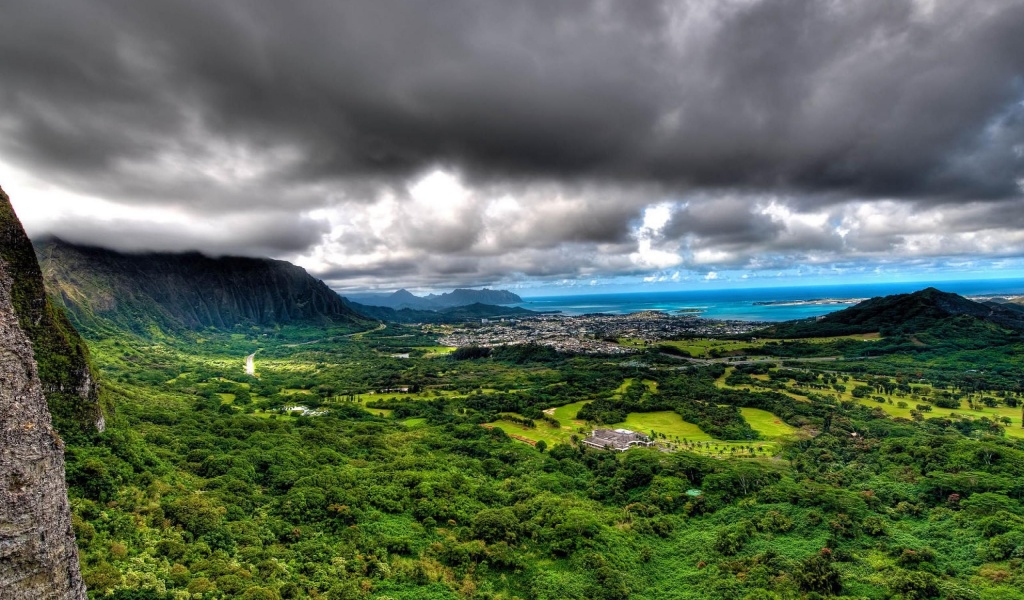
x: 459, y: 297
x: 190, y: 291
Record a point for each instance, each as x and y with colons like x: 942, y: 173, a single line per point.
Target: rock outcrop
x: 62, y: 358
x: 38, y: 556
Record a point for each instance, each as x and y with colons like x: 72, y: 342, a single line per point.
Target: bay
x: 758, y: 304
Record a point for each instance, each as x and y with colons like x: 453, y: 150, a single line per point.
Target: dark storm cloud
x: 876, y: 97
x: 723, y: 221
x: 218, y: 108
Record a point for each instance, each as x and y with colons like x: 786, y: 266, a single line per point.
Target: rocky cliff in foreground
x: 61, y: 356
x: 38, y: 556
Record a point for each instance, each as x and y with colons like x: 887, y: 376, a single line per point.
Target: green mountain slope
x: 898, y: 314
x: 169, y: 292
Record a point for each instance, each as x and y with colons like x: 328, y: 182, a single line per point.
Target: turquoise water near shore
x: 740, y: 304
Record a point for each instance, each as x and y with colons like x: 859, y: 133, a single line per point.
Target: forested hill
x: 174, y: 291
x: 903, y: 314
x: 464, y: 297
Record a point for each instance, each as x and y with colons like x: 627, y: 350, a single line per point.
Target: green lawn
x: 433, y: 351
x: 543, y: 431
x: 702, y: 348
x: 766, y: 423
x: 567, y: 414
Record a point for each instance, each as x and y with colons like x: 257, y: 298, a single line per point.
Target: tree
x: 496, y: 525
x: 817, y: 574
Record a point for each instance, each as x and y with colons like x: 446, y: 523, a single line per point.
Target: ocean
x: 742, y: 304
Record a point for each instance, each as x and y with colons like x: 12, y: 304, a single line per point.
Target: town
x: 592, y: 333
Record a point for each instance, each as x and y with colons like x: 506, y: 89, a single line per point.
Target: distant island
x: 812, y: 302
x: 998, y: 299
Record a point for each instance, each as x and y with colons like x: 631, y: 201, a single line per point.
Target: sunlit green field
x: 652, y: 386
x: 434, y: 351
x: 766, y: 423
x: 707, y: 348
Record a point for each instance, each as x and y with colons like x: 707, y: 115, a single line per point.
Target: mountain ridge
x: 185, y: 290
x: 402, y: 299
x: 452, y: 314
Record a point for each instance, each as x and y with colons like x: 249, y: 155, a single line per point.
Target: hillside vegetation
x: 345, y: 470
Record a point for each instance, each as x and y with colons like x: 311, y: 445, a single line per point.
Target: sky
x: 529, y: 145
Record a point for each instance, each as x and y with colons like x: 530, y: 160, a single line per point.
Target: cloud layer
x: 459, y: 142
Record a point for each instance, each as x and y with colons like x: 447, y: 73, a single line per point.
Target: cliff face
x: 38, y: 556
x: 61, y: 356
x: 173, y: 291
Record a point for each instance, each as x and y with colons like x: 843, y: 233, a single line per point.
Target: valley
x: 382, y: 463
x: 876, y: 452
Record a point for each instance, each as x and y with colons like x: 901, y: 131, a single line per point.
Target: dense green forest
x: 202, y: 487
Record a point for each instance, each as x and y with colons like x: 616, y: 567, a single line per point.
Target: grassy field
x: 652, y: 386
x: 720, y: 382
x: 543, y: 431
x: 567, y: 414
x: 435, y: 351
x: 766, y: 423
x: 707, y: 348
x: 684, y: 435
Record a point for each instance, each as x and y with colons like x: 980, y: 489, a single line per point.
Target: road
x: 359, y: 334
x: 250, y: 364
